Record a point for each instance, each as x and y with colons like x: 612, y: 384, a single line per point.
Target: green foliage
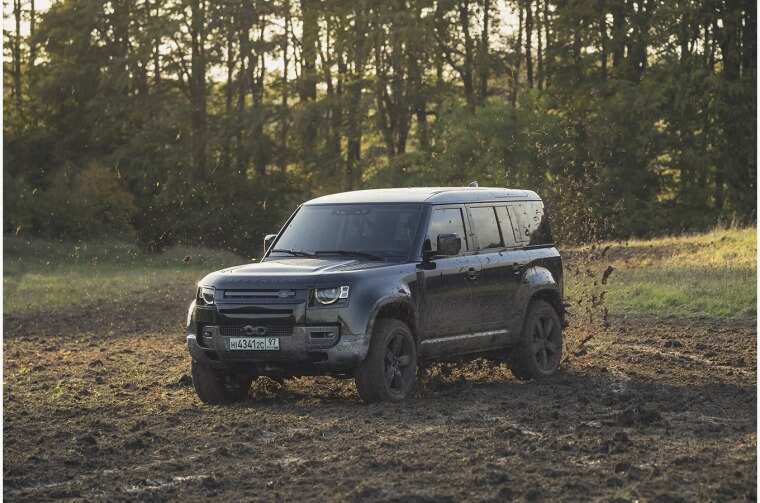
x: 90, y: 203
x: 175, y: 122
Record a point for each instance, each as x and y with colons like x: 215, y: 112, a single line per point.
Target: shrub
x: 91, y: 204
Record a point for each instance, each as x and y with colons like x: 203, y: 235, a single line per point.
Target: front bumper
x: 305, y: 352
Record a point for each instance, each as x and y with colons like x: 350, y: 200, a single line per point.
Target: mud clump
x: 639, y: 415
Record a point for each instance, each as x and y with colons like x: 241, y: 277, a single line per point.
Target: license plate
x: 253, y: 344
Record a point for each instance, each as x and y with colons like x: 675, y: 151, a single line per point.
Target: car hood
x: 292, y: 272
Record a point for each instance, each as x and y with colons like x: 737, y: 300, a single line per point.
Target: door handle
x: 473, y: 274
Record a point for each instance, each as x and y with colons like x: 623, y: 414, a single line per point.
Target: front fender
x: 402, y: 305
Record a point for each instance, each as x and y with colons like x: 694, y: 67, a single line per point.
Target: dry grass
x: 45, y: 276
x: 711, y: 275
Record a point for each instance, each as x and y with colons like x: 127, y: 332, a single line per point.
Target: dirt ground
x: 99, y: 406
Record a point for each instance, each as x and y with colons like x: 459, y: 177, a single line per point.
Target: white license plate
x: 253, y: 344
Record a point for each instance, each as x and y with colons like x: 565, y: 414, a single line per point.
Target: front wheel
x: 389, y: 373
x: 216, y: 387
x: 539, y: 352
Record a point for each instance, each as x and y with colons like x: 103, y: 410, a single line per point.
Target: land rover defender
x: 371, y: 284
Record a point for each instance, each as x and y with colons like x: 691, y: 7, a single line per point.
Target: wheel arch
x: 398, y: 307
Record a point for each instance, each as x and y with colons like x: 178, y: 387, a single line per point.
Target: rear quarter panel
x: 543, y: 274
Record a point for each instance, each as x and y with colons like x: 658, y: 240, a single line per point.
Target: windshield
x: 384, y: 230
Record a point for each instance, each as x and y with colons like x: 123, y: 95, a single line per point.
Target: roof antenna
x: 473, y: 184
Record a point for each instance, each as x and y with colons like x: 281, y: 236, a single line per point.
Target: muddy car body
x: 371, y: 284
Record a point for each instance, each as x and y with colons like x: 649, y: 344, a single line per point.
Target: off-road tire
x: 216, y: 387
x: 537, y: 355
x: 389, y: 372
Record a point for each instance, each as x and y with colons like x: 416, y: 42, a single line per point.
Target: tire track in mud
x: 672, y: 354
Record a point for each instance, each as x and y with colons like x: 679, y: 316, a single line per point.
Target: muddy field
x: 99, y: 406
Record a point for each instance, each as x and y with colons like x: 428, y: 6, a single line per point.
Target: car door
x: 449, y: 283
x: 489, y: 289
x: 501, y: 273
x: 515, y: 262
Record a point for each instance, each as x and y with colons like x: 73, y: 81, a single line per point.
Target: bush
x: 91, y: 204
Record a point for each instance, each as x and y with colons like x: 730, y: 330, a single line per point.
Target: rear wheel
x: 389, y: 373
x: 539, y: 352
x: 216, y: 387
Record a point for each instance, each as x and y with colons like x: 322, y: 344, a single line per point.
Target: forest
x: 203, y: 122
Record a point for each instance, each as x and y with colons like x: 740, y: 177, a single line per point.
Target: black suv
x: 372, y: 284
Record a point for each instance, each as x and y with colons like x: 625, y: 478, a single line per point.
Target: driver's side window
x: 446, y: 221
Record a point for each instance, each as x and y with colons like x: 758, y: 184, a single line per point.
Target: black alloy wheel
x: 389, y: 372
x: 539, y: 352
x: 398, y: 359
x: 547, y: 342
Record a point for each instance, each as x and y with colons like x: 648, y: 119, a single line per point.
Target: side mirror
x: 449, y: 244
x: 268, y: 240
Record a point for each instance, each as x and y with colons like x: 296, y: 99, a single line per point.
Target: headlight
x: 190, y: 314
x: 331, y: 295
x: 206, y: 294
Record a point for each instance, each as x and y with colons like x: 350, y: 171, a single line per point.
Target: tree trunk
x: 17, y: 56
x: 539, y: 50
x: 603, y: 38
x: 618, y: 34
x: 548, y: 45
x: 156, y: 47
x: 734, y: 170
x: 121, y: 16
x: 198, y: 87
x: 258, y: 69
x: 518, y: 55
x: 749, y: 37
x: 310, y: 34
x: 228, y: 91
x: 333, y: 109
x: 683, y: 31
x: 354, y: 89
x: 32, y: 41
x: 308, y: 80
x: 638, y: 44
x: 484, y: 54
x: 283, y: 159
x: 438, y: 57
x: 467, y: 73
x: 383, y: 116
x: 529, y: 42
x: 728, y: 40
x: 245, y: 24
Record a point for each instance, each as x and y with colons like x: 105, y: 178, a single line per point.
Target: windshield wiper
x: 295, y: 253
x: 354, y: 253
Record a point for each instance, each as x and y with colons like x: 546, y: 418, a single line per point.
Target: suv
x: 372, y: 284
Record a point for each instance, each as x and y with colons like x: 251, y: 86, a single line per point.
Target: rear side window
x: 446, y: 221
x: 485, y: 227
x: 530, y: 223
x: 505, y: 224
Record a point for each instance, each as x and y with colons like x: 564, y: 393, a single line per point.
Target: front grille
x: 272, y: 331
x: 267, y: 296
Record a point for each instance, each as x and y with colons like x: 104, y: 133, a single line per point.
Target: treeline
x: 206, y: 122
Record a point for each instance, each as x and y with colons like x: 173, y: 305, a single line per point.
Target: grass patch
x: 705, y: 275
x: 701, y: 275
x: 47, y: 276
